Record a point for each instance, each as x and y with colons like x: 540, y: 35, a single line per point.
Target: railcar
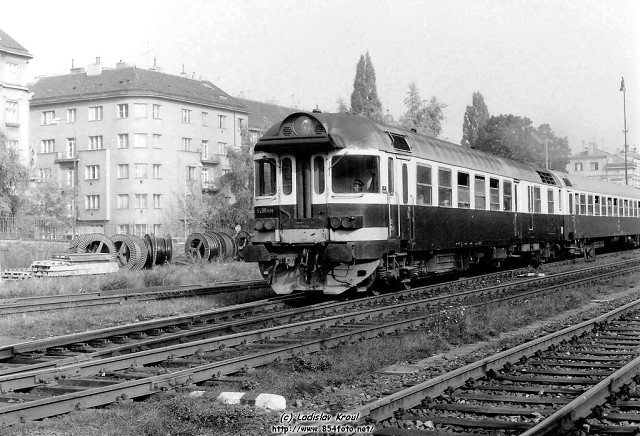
x: 343, y: 203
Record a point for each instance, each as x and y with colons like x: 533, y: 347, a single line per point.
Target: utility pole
x: 624, y: 106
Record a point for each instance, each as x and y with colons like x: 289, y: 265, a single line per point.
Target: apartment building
x: 595, y: 163
x: 130, y: 142
x: 14, y: 95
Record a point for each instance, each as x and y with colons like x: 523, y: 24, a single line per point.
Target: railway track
x: 44, y: 378
x: 120, y: 296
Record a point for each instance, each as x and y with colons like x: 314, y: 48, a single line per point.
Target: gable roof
x: 10, y: 45
x: 264, y: 115
x: 129, y: 82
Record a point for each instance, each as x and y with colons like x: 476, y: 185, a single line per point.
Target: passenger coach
x: 344, y: 203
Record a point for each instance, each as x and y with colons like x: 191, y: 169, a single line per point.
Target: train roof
x: 331, y: 131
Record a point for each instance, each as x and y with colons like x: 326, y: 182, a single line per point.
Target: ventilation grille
x: 287, y: 131
x: 546, y: 178
x: 567, y: 182
x: 319, y: 129
x: 399, y: 142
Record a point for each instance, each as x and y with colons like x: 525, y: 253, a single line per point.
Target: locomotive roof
x: 346, y: 131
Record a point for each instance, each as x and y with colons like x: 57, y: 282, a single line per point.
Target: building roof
x: 264, y: 115
x: 586, y: 154
x: 130, y: 82
x: 8, y: 44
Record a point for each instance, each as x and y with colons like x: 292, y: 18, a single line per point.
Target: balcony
x: 65, y: 157
x: 207, y: 158
x: 208, y: 186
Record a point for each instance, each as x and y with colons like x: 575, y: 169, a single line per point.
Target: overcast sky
x: 556, y: 62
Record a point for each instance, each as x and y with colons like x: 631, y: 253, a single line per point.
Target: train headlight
x: 259, y: 225
x: 346, y: 222
x: 303, y: 126
x: 334, y: 222
x: 269, y: 224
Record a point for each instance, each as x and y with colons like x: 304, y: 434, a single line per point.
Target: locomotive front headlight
x: 334, y: 222
x: 303, y: 126
x: 346, y: 222
x: 269, y: 224
x: 259, y: 225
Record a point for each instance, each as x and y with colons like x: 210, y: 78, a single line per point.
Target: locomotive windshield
x: 352, y: 173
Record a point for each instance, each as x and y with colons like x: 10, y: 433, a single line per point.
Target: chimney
x: 75, y: 70
x: 121, y: 64
x: 94, y: 69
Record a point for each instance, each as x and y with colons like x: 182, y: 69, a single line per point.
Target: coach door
x: 393, y: 200
x: 406, y: 208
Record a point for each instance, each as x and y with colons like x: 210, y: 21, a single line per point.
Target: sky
x: 555, y: 62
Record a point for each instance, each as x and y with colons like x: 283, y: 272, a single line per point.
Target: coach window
x: 590, y: 204
x: 610, y: 206
x: 494, y: 194
x: 287, y: 176
x: 550, y: 205
x: 537, y: 201
x: 444, y: 187
x: 318, y: 174
x: 577, y: 202
x: 464, y: 196
x: 626, y: 208
x: 390, y: 175
x: 507, y: 196
x: 265, y: 177
x: 480, y: 192
x: 615, y: 207
x: 571, y: 211
x: 620, y: 208
x: 351, y: 170
x: 603, y: 203
x: 596, y: 205
x: 423, y: 184
x: 583, y: 204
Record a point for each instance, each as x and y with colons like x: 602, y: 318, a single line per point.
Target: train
x: 346, y: 204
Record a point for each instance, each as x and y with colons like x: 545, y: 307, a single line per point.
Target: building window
x: 13, y: 144
x: 95, y: 113
x: 140, y: 229
x: 593, y: 166
x: 140, y: 110
x: 95, y: 143
x: 141, y: 171
x: 205, y: 118
x: 240, y: 124
x: 123, y: 140
x: 157, y: 140
x: 47, y: 146
x: 11, y: 115
x: 71, y: 115
x: 11, y: 73
x: 71, y: 147
x: 141, y: 201
x: 139, y: 140
x: 156, y: 112
x: 157, y: 228
x: 205, y: 176
x: 92, y: 172
x: 123, y: 229
x: 157, y: 171
x: 186, y: 143
x: 222, y: 121
x: 92, y: 202
x: 123, y: 171
x: 123, y: 201
x: 191, y: 173
x: 123, y: 110
x: 157, y: 201
x: 205, y: 149
x: 577, y: 167
x: 186, y: 116
x: 44, y: 173
x: 48, y: 117
x: 222, y: 148
x: 71, y: 177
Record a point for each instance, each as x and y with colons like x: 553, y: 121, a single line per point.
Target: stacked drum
x: 210, y: 246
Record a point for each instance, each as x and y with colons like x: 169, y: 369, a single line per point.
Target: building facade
x: 595, y: 163
x: 14, y: 95
x: 131, y: 142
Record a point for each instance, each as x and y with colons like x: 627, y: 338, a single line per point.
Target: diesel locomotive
x: 343, y: 203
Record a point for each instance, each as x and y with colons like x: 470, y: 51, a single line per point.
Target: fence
x: 29, y: 228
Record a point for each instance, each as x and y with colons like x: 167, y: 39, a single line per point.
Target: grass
x: 21, y: 254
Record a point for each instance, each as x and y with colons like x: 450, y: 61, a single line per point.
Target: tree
x: 14, y: 177
x: 475, y: 119
x: 514, y: 137
x: 364, y: 98
x: 239, y: 183
x: 48, y: 203
x: 425, y: 117
x: 342, y: 106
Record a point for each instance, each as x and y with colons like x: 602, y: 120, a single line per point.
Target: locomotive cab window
x: 265, y: 177
x: 353, y: 174
x: 423, y: 184
x: 287, y: 176
x: 464, y: 196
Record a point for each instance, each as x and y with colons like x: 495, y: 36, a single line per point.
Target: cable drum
x: 197, y: 247
x: 127, y: 253
x: 142, y: 250
x: 95, y: 243
x: 169, y: 248
x: 210, y: 246
x: 216, y: 246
